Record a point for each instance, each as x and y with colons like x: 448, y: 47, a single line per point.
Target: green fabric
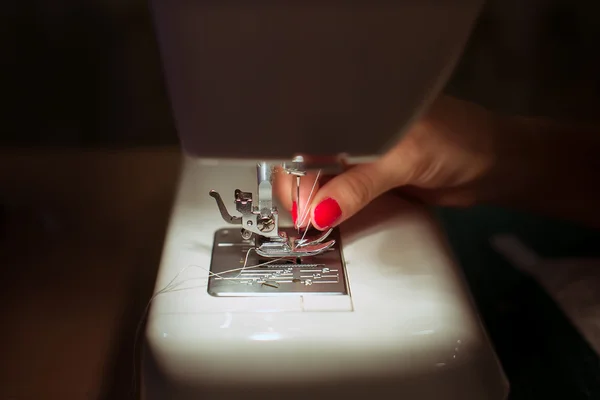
x: 543, y: 355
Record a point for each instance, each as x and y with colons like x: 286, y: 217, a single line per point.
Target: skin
x: 460, y: 154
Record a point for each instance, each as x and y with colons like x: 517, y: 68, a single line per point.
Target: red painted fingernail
x: 326, y: 213
x: 294, y: 212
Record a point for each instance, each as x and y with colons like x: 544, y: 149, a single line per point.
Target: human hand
x: 448, y: 157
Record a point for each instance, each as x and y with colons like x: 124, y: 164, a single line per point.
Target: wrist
x: 518, y: 157
x: 547, y: 167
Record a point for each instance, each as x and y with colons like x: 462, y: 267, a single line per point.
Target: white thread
x: 306, y: 230
x: 245, y: 261
x: 171, y: 287
x: 306, y: 211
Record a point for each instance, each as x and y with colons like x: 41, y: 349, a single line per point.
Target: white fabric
x: 573, y: 283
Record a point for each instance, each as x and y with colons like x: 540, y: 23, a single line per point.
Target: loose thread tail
x: 170, y: 287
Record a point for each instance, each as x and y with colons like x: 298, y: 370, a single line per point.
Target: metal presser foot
x: 294, y: 247
x: 262, y: 222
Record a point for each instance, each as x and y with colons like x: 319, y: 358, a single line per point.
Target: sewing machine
x: 376, y: 307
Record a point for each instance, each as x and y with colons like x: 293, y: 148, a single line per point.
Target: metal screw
x: 266, y: 224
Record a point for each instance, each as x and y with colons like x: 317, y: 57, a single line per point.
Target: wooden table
x: 78, y: 258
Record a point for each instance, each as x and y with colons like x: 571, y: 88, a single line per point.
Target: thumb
x: 349, y: 192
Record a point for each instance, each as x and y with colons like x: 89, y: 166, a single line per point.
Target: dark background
x: 87, y: 72
x: 82, y: 228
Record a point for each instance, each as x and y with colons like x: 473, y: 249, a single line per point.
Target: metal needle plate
x: 323, y: 274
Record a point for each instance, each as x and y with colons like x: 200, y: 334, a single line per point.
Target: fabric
x: 574, y: 283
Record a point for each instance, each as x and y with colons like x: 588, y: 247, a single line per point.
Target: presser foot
x: 283, y: 246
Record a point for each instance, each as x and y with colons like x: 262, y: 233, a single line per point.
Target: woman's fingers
x: 346, y: 194
x: 328, y: 201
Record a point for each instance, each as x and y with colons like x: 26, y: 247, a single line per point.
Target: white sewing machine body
x: 406, y: 327
x: 386, y: 313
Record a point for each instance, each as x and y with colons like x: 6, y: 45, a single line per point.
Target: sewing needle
x: 297, y: 201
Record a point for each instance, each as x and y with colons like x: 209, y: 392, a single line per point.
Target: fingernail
x: 326, y: 213
x: 294, y: 212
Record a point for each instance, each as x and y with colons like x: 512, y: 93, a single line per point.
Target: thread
x: 171, y: 287
x: 306, y: 230
x: 245, y: 261
x: 308, y: 200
